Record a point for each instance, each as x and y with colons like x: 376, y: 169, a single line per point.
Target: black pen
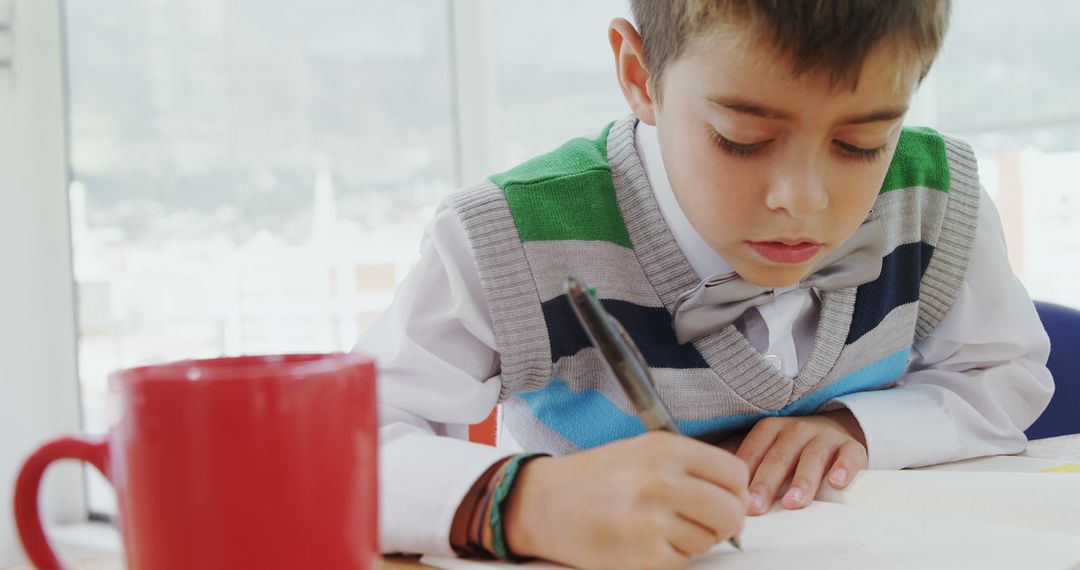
x: 624, y: 360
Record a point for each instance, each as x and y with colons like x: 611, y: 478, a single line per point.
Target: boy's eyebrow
x: 890, y: 114
x: 749, y: 108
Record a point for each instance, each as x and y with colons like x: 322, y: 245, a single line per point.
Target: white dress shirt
x: 971, y: 389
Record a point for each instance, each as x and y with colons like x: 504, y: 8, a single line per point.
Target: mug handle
x: 27, y: 518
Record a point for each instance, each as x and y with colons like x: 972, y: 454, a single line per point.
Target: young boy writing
x: 814, y: 287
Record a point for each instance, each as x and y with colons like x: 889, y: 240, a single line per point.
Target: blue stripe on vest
x: 588, y: 419
x: 898, y: 284
x: 650, y: 327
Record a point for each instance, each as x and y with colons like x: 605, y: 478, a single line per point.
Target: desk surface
x: 1066, y: 447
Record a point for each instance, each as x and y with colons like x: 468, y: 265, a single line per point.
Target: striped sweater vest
x: 586, y: 209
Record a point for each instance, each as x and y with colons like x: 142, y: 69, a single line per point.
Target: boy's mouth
x: 786, y: 250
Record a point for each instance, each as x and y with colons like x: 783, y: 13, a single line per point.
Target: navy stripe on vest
x: 901, y: 272
x: 650, y: 327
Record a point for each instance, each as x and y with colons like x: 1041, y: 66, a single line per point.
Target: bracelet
x: 502, y: 491
x: 476, y: 535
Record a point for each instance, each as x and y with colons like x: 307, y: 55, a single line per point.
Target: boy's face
x: 776, y: 171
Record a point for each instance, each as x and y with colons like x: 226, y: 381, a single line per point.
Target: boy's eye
x: 858, y: 153
x: 736, y: 149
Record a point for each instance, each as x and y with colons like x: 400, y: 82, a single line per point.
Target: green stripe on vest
x: 566, y: 194
x: 919, y: 161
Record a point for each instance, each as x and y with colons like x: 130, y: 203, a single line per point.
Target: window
x: 247, y: 177
x: 1007, y: 82
x: 554, y: 76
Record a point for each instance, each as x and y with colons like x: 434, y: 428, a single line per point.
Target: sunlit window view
x: 245, y: 179
x: 554, y: 75
x: 1011, y: 101
x: 253, y: 177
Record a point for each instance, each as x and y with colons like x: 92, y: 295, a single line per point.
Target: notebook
x: 1007, y: 513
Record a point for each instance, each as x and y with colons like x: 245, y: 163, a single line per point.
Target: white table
x: 1066, y: 447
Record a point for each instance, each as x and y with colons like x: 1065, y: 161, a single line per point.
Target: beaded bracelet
x: 502, y: 491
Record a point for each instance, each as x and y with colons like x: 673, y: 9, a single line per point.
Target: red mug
x: 231, y: 463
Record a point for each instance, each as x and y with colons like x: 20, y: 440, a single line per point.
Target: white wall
x: 38, y: 388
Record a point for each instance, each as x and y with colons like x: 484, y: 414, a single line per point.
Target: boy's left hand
x: 802, y: 450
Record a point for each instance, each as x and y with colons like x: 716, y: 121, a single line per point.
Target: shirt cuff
x: 904, y: 426
x: 422, y: 481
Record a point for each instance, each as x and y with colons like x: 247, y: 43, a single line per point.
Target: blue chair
x: 1063, y: 415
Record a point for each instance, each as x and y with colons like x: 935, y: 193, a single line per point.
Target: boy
x: 814, y: 288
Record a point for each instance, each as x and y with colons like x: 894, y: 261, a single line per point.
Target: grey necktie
x: 718, y: 300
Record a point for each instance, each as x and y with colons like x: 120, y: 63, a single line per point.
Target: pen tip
x: 736, y: 543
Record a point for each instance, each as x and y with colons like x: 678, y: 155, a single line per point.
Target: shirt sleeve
x: 973, y: 385
x: 437, y: 374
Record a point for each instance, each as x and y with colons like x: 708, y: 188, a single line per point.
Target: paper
x: 989, y: 513
x: 1047, y: 501
x: 830, y: 537
x: 1012, y: 463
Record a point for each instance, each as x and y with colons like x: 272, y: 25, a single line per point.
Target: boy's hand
x: 647, y: 502
x: 802, y: 450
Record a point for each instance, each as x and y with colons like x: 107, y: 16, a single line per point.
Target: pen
x: 624, y: 360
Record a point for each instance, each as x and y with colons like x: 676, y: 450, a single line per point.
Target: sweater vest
x: 586, y: 209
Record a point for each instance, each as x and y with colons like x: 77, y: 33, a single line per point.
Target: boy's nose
x: 800, y: 192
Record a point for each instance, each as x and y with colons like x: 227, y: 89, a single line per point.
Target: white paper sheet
x: 1013, y: 463
x: 1046, y: 501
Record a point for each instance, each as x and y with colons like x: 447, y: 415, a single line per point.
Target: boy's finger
x: 757, y: 443
x: 850, y: 458
x: 690, y: 538
x: 775, y: 468
x: 816, y: 457
x: 712, y: 508
x: 717, y: 467
x: 669, y: 557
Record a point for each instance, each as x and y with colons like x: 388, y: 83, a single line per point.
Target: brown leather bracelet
x: 465, y: 518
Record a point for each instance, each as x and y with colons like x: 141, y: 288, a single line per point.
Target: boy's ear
x: 633, y: 75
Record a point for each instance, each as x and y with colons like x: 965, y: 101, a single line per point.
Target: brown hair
x: 829, y: 36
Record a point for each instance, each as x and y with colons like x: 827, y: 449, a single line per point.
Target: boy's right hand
x: 647, y: 502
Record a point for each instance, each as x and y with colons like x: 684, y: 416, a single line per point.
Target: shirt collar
x: 704, y: 260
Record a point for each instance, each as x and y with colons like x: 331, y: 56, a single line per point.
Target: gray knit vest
x: 586, y: 209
